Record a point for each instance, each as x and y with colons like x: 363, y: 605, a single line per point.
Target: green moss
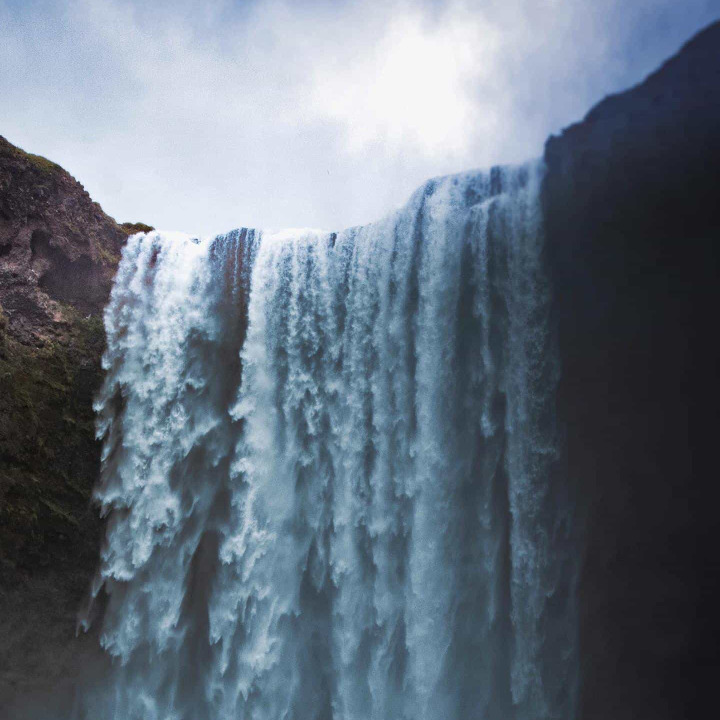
x: 108, y: 256
x: 43, y: 164
x: 132, y: 228
x: 58, y: 512
x: 37, y: 161
x: 49, y: 457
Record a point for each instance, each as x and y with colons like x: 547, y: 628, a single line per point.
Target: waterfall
x: 331, y: 471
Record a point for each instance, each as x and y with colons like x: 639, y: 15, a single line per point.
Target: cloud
x: 202, y: 116
x: 413, y: 87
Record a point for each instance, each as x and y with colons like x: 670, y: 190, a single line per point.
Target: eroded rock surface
x: 58, y: 254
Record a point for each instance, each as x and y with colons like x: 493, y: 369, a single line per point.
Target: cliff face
x: 633, y: 229
x: 57, y: 247
x: 58, y: 254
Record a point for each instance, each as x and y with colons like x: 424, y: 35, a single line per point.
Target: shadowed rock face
x: 631, y: 202
x: 58, y: 254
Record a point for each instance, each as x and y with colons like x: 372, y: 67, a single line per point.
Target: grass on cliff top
x: 37, y: 161
x: 43, y: 164
x: 132, y: 228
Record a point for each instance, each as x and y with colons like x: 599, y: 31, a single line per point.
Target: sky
x: 205, y: 116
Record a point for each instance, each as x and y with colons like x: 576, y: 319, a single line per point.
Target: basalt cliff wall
x: 633, y: 233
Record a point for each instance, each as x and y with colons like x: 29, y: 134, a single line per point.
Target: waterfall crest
x: 331, y: 471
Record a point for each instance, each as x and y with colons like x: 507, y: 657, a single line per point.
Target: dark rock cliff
x: 58, y: 254
x: 631, y: 202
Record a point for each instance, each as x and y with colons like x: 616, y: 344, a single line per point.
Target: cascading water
x: 331, y: 471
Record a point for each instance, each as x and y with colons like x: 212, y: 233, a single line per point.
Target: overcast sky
x: 203, y: 116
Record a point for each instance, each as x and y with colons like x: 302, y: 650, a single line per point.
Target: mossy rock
x: 138, y: 227
x: 49, y: 456
x: 37, y: 161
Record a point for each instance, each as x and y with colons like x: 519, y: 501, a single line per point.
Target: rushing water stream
x: 332, y: 471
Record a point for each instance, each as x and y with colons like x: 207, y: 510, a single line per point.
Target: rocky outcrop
x: 58, y: 254
x: 631, y: 199
x: 57, y: 247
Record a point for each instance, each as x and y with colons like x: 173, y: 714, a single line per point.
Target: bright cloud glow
x: 201, y: 116
x: 416, y: 89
